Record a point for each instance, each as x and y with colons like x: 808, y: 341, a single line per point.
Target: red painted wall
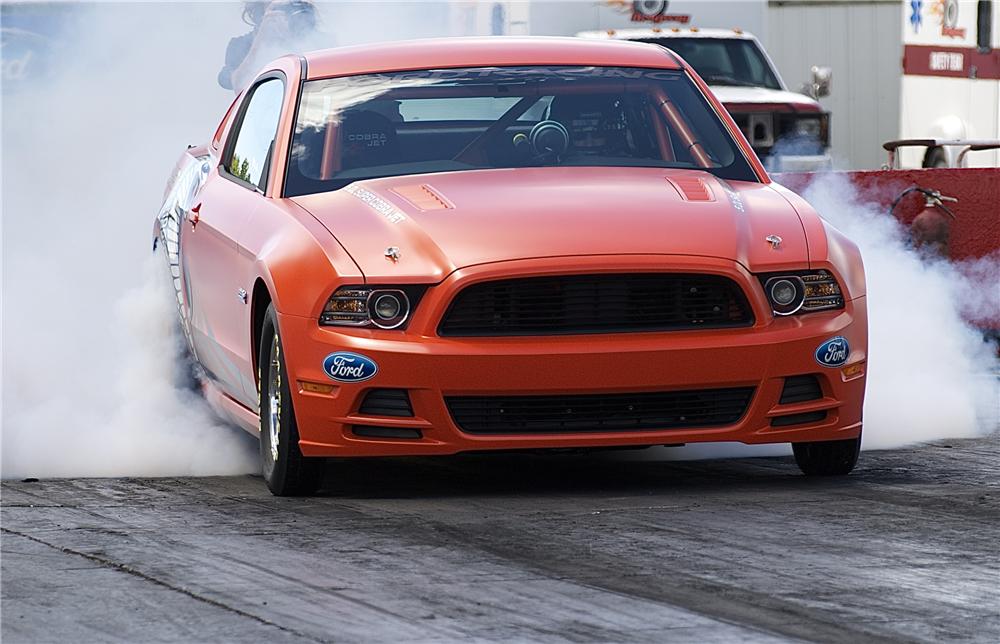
x: 976, y: 229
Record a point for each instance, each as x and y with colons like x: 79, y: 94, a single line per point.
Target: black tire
x: 935, y: 158
x: 827, y: 458
x: 286, y: 471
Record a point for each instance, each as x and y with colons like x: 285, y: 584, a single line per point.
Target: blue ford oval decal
x: 344, y: 366
x: 833, y: 352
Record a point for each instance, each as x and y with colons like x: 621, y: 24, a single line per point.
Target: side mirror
x: 820, y: 85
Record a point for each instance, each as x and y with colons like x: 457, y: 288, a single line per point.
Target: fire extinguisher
x: 931, y: 228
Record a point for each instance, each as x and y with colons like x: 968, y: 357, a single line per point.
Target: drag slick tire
x: 827, y: 458
x: 286, y: 471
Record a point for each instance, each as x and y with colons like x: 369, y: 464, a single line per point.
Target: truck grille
x: 599, y: 412
x: 604, y: 303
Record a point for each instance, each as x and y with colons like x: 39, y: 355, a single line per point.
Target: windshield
x: 724, y: 61
x: 363, y: 127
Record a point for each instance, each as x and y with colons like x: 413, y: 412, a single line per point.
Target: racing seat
x: 367, y: 139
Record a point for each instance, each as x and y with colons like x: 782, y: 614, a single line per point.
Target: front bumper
x: 431, y: 367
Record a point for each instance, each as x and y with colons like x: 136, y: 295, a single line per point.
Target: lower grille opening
x: 800, y: 389
x: 599, y: 412
x: 368, y: 431
x: 387, y: 402
x: 799, y: 419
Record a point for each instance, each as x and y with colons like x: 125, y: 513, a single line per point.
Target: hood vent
x: 424, y: 197
x: 692, y: 188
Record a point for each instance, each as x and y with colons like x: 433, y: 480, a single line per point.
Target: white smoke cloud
x: 92, y: 381
x: 930, y: 374
x: 140, y: 416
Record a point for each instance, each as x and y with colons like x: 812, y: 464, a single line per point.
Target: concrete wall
x: 860, y: 40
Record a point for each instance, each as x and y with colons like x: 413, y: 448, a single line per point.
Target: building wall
x: 859, y: 40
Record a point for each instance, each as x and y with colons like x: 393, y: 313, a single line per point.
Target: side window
x: 755, y: 65
x: 251, y: 155
x: 984, y: 24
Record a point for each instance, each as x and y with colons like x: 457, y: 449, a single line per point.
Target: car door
x: 217, y: 272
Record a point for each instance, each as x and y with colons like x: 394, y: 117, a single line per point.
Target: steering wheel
x: 549, y: 139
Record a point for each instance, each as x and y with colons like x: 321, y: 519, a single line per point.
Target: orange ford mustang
x: 455, y: 245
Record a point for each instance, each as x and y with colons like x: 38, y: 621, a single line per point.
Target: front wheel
x: 827, y: 458
x: 286, y: 471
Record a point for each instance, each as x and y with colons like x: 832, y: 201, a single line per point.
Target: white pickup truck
x: 789, y: 131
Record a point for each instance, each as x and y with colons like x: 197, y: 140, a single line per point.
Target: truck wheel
x: 827, y: 458
x: 935, y: 158
x: 286, y: 471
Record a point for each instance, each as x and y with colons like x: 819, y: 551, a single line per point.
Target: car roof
x: 481, y: 52
x: 666, y: 32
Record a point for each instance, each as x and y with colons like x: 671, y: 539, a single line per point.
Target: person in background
x: 277, y: 28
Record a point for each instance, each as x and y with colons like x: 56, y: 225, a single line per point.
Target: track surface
x: 521, y: 547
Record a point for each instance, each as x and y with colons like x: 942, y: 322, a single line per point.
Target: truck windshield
x: 724, y: 61
x: 401, y: 123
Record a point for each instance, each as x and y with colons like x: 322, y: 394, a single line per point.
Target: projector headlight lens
x: 366, y: 306
x: 387, y: 306
x: 786, y: 294
x: 783, y: 292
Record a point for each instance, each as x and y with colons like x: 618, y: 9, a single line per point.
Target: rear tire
x: 827, y: 458
x: 286, y: 471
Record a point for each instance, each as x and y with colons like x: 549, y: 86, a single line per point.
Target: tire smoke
x: 931, y: 375
x: 94, y: 383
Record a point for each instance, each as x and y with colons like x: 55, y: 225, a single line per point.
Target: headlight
x: 385, y: 308
x: 802, y: 292
x: 811, y: 127
x: 388, y: 306
x: 807, y: 127
x: 822, y: 292
x: 785, y: 294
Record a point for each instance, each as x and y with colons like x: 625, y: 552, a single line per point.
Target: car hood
x: 742, y: 95
x: 446, y: 221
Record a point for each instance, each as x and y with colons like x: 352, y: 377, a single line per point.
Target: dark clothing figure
x: 236, y: 53
x: 279, y: 27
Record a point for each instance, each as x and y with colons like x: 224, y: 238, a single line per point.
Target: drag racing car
x: 459, y: 245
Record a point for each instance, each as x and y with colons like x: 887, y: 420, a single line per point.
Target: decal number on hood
x: 377, y: 203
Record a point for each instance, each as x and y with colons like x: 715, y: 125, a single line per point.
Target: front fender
x: 298, y: 260
x: 828, y: 247
x: 845, y: 258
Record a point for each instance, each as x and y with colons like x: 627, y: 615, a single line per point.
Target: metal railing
x: 968, y: 145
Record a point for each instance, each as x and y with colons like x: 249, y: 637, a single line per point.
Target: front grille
x: 599, y: 412
x: 605, y: 303
x: 387, y: 402
x: 800, y: 389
